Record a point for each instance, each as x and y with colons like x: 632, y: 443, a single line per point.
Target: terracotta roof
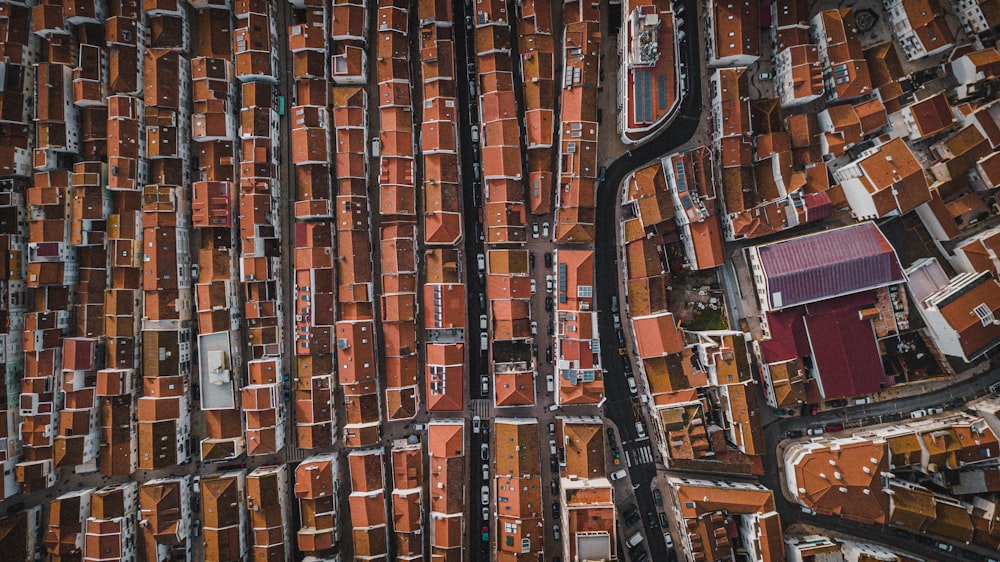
x: 736, y: 28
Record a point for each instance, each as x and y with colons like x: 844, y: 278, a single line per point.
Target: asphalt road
x: 619, y: 406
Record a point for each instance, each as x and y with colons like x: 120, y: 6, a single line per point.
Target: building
x: 224, y: 516
x: 650, y: 88
x: 702, y: 508
x: 919, y: 27
x: 733, y: 29
x: 845, y: 70
x: 447, y: 485
x: 517, y: 489
x: 978, y: 16
x: 887, y: 180
x: 798, y: 75
x: 165, y: 518
x: 317, y: 487
x: 266, y: 493
x: 960, y: 312
x: 823, y: 265
x: 587, y: 515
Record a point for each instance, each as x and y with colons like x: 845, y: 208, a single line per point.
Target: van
x: 481, y: 262
x: 618, y: 474
x: 552, y: 447
x: 640, y: 430
x: 550, y: 384
x: 376, y: 147
x: 634, y: 540
x: 484, y: 342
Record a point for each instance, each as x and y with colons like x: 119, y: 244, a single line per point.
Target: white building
x: 919, y: 26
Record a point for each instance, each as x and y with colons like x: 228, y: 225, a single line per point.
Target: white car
x: 485, y: 495
x: 814, y: 431
x: 475, y: 133
x: 545, y: 230
x: 550, y: 383
x: 640, y: 430
x: 481, y: 262
x: 475, y: 424
x: 534, y: 230
x: 935, y: 410
x: 486, y: 514
x: 918, y: 414
x: 485, y: 382
x: 556, y: 533
x: 534, y: 328
x: 486, y: 471
x: 550, y: 283
x: 484, y: 341
x: 619, y: 474
x: 552, y: 446
x: 631, y: 385
x: 482, y: 322
x: 669, y: 540
x: 534, y: 287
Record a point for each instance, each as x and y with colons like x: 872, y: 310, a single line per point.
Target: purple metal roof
x: 828, y: 264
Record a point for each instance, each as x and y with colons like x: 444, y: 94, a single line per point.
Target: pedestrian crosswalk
x: 642, y: 455
x: 482, y: 408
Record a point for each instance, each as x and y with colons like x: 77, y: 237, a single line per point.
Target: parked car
x: 793, y: 434
x: 550, y: 284
x: 486, y: 514
x: 475, y: 424
x: 631, y: 385
x: 918, y: 414
x: 614, y: 304
x: 831, y: 427
x: 482, y: 322
x: 484, y: 381
x: 484, y: 495
x: 550, y: 385
x: 545, y: 229
x: 484, y: 341
x: 663, y: 520
x: 657, y: 497
x: 555, y: 486
x: 548, y: 263
x: 485, y: 533
x: 534, y: 328
x: 486, y: 471
x: 814, y: 431
x: 484, y: 451
x: 838, y: 403
x: 934, y: 410
x: 611, y: 436
x: 810, y: 409
x: 534, y: 287
x: 475, y: 133
x: 481, y: 262
x: 534, y: 230
x: 765, y: 76
x: 556, y: 533
x: 549, y: 304
x: 619, y: 474
x: 548, y: 354
x: 651, y: 520
x: 602, y: 172
x: 552, y: 428
x: 668, y: 539
x: 555, y: 509
x: 640, y: 429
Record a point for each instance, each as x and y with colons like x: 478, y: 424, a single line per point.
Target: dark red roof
x: 828, y: 264
x: 845, y: 352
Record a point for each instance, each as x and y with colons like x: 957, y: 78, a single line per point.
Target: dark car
x: 550, y: 329
x: 793, y: 434
x: 834, y: 427
x: 554, y: 464
x: 663, y: 520
x: 838, y: 403
x: 895, y: 416
x: 621, y: 338
x: 548, y: 354
x: 531, y: 260
x: 636, y: 550
x: 555, y: 509
x: 611, y: 435
x: 652, y: 520
x: 627, y: 365
x: 810, y: 409
x: 549, y: 304
x: 631, y: 515
x: 548, y: 259
x: 555, y: 486
x: 657, y: 497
